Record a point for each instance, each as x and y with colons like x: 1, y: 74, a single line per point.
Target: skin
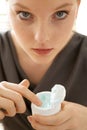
x: 42, y: 30
x: 71, y: 117
x: 10, y: 96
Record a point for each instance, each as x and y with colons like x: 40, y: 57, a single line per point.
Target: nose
x: 42, y: 34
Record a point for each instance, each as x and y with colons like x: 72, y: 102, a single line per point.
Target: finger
x: 24, y: 91
x: 7, y: 106
x: 25, y: 83
x: 56, y: 119
x: 67, y: 125
x: 2, y: 115
x: 37, y: 126
x: 15, y: 97
x: 30, y: 96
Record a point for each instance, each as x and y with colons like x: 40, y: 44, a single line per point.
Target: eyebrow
x: 64, y: 5
x: 22, y: 6
x: 61, y: 6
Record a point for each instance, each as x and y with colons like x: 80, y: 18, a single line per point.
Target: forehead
x: 43, y: 5
x: 42, y: 2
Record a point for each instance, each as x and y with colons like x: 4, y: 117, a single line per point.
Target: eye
x: 61, y: 14
x: 24, y: 15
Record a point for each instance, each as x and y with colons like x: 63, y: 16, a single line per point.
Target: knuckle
x: 12, y: 114
x: 58, y: 121
x: 35, y: 126
x: 11, y: 110
x: 10, y: 106
x: 22, y: 88
x: 20, y: 104
x: 74, y: 124
x: 2, y: 115
x: 1, y: 86
x: 3, y: 82
x: 23, y: 109
x: 18, y: 97
x: 10, y: 103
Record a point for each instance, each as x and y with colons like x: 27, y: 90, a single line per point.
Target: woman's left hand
x: 71, y: 117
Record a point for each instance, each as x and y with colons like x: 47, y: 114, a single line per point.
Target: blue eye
x: 24, y: 15
x: 61, y: 14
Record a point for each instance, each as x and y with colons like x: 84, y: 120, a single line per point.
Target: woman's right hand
x: 11, y: 98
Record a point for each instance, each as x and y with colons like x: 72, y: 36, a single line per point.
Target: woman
x: 39, y: 51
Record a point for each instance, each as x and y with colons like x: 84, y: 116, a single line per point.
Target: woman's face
x: 41, y: 28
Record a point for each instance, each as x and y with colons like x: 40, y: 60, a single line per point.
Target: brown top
x: 69, y: 69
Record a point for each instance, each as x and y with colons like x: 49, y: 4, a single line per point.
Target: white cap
x: 58, y: 94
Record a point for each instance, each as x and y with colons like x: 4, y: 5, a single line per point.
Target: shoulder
x: 4, y: 40
x: 82, y: 48
x: 81, y: 41
x: 79, y: 38
x: 4, y: 36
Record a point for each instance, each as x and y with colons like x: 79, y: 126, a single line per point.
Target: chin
x: 42, y: 61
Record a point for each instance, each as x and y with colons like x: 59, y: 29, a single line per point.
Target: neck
x: 35, y: 72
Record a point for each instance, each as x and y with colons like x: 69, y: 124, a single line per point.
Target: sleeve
x: 0, y: 47
x: 2, y: 76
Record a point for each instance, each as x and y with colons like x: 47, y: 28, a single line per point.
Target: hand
x: 71, y: 117
x: 11, y: 98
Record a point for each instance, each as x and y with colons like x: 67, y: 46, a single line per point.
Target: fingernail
x: 39, y: 103
x: 29, y: 118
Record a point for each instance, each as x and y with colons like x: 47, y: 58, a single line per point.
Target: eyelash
x: 63, y: 13
x: 28, y: 15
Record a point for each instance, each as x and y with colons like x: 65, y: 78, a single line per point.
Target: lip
x: 42, y: 51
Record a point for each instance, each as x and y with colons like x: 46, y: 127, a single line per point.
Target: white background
x: 81, y: 23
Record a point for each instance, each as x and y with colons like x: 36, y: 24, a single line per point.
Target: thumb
x: 25, y: 83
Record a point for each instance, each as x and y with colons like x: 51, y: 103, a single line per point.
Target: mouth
x: 41, y: 51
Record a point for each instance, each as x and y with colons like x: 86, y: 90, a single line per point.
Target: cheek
x: 16, y: 24
x: 65, y: 28
x: 24, y: 38
x: 62, y: 34
x: 22, y: 32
